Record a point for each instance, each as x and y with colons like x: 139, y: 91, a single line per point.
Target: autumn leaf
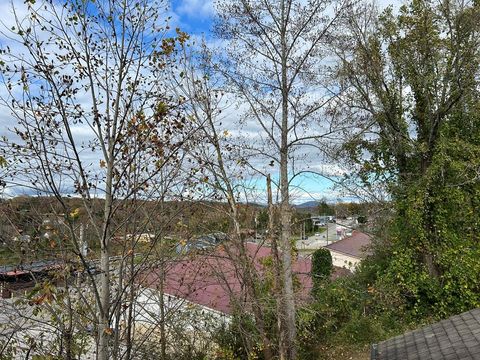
x: 75, y: 214
x: 3, y: 162
x: 38, y: 300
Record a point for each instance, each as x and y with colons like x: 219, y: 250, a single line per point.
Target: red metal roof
x: 356, y: 245
x: 212, y: 280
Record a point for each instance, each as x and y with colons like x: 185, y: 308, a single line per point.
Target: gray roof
x: 356, y: 245
x: 455, y: 338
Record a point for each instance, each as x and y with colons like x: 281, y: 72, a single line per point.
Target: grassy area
x: 319, y: 230
x: 8, y: 257
x: 341, y: 352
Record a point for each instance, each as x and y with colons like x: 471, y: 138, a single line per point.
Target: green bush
x: 321, y: 266
x: 238, y: 339
x: 349, y: 311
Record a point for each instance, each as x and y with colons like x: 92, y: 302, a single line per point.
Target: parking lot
x: 317, y: 241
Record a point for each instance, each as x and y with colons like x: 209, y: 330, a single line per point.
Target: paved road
x: 316, y: 242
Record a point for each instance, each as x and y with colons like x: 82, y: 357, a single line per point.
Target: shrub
x: 321, y: 266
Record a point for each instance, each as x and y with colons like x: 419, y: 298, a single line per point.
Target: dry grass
x: 345, y: 353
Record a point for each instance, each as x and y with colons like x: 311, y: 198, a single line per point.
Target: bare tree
x: 275, y: 64
x: 222, y: 175
x: 82, y: 80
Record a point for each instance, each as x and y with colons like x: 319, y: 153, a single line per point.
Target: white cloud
x: 195, y: 8
x: 8, y: 10
x: 328, y: 169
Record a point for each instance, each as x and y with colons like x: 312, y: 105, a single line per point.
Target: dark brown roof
x: 355, y: 245
x: 455, y: 338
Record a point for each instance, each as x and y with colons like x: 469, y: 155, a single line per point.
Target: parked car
x: 202, y: 243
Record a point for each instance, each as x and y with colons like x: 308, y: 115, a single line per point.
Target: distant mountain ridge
x: 308, y: 204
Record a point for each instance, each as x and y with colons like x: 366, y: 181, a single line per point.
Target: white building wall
x: 176, y: 310
x: 343, y: 260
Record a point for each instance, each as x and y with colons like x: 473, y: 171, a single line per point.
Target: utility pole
x: 327, y: 232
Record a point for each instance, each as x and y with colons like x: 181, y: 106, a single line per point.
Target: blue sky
x: 194, y: 16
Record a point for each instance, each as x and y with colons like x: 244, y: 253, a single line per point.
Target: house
x: 457, y: 337
x: 200, y: 291
x: 211, y: 280
x: 349, y: 251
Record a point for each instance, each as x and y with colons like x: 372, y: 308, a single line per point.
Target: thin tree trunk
x: 278, y: 272
x: 104, y: 306
x: 69, y: 330
x: 118, y: 314
x: 163, y: 339
x: 285, y: 212
x: 131, y: 298
x: 286, y: 247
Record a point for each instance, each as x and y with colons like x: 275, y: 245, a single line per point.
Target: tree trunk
x: 103, y: 328
x: 429, y: 220
x: 118, y: 314
x: 163, y: 336
x: 104, y: 306
x: 130, y: 314
x: 286, y: 247
x: 285, y: 212
x: 69, y: 330
x: 278, y: 273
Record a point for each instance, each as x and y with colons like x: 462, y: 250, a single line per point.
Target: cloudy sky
x: 195, y: 17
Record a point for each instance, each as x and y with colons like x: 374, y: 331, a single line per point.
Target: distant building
x: 319, y: 220
x: 201, y: 291
x: 349, y: 251
x: 202, y: 243
x: 143, y: 238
